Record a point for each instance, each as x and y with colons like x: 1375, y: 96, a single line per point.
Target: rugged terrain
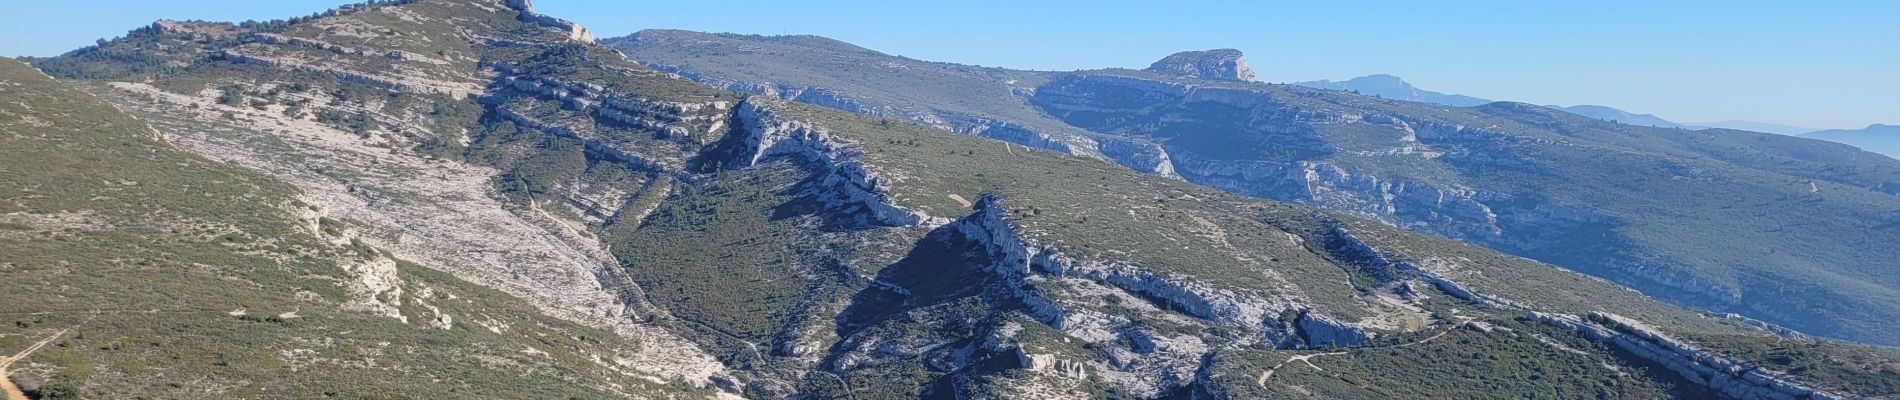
x: 814, y: 70
x: 465, y: 198
x: 175, y: 276
x: 1393, y: 88
x: 1777, y: 228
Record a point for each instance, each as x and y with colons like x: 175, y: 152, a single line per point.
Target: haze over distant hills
x: 409, y: 199
x: 1393, y: 87
x: 1878, y: 138
x: 1751, y: 126
x: 1614, y: 114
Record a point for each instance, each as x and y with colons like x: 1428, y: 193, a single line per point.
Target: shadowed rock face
x: 781, y: 248
x: 1217, y: 64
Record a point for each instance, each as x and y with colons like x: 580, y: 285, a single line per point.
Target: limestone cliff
x: 1217, y: 64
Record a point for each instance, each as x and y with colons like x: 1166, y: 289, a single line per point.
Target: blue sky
x: 1823, y: 64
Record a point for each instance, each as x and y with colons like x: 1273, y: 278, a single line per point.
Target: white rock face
x: 1058, y: 290
x: 1048, y: 362
x: 1217, y: 64
x: 847, y: 184
x: 1735, y: 379
x: 574, y: 31
x: 377, y: 289
x: 1322, y: 332
x: 467, y: 232
x: 674, y: 121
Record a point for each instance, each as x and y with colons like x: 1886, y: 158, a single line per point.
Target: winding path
x: 1307, y: 358
x: 6, y: 381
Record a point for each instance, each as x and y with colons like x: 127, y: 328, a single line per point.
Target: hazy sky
x: 1823, y: 64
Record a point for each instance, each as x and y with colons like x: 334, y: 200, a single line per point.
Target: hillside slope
x: 171, y: 275
x: 804, y: 251
x: 1768, y: 226
x: 814, y: 70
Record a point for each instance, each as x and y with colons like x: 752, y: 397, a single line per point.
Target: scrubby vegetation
x: 1872, y: 371
x: 244, y: 290
x: 183, y: 277
x: 1519, y: 361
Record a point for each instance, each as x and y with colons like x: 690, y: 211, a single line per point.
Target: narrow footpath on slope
x: 1307, y: 358
x: 6, y: 381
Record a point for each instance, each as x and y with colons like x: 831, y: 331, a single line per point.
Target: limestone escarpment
x: 847, y: 184
x: 782, y: 241
x: 1735, y: 379
x: 1217, y: 64
x: 573, y: 30
x: 683, y: 123
x: 1061, y: 292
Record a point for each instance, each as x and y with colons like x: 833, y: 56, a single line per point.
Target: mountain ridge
x: 734, y: 244
x: 1737, y: 154
x: 1393, y: 87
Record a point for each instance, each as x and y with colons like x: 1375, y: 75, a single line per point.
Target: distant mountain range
x: 1751, y: 126
x: 1878, y: 138
x: 1393, y: 87
x: 1608, y: 113
x: 468, y: 198
x: 1529, y: 180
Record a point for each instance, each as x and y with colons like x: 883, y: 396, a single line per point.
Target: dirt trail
x: 1301, y: 358
x: 6, y: 380
x: 1307, y: 358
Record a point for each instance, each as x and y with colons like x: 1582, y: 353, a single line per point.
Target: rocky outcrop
x: 1321, y: 331
x: 1732, y: 378
x: 1022, y: 263
x: 376, y: 289
x: 1048, y: 362
x: 1345, y: 247
x: 846, y: 183
x: 1064, y: 292
x: 1013, y: 133
x: 1217, y: 64
x: 573, y: 30
x: 1139, y: 155
x: 594, y: 147
x: 675, y: 120
x: 1031, y: 277
x: 1778, y: 330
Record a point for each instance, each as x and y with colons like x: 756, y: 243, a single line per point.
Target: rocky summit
x: 470, y: 199
x: 1217, y: 64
